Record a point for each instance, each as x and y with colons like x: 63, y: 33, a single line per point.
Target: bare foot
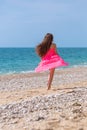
x: 48, y: 88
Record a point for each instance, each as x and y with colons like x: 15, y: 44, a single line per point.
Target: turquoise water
x: 22, y: 60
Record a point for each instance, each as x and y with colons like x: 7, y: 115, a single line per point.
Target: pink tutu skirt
x: 50, y: 60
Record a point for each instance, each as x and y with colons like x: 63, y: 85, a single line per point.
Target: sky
x: 24, y: 23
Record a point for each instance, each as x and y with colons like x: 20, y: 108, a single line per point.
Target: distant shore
x: 25, y: 103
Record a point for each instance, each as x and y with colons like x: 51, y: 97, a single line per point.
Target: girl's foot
x: 49, y: 87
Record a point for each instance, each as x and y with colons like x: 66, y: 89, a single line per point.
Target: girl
x: 50, y: 59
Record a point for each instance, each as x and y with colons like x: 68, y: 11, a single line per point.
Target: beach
x: 26, y: 104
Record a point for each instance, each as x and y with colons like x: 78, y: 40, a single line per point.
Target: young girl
x: 50, y: 59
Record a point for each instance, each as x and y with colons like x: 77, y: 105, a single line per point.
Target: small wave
x: 8, y: 73
x: 29, y: 71
x: 16, y: 72
x: 80, y: 65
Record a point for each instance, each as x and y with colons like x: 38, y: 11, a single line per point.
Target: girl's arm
x: 54, y: 46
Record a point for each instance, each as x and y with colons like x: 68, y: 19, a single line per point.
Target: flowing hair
x: 44, y: 46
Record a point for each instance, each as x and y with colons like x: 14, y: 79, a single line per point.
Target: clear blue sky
x: 23, y: 23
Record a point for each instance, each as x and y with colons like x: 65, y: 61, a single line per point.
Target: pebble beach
x: 26, y: 104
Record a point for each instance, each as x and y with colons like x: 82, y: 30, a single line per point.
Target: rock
x: 81, y: 129
x: 40, y: 118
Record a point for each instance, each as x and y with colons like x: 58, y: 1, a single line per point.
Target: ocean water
x: 23, y: 60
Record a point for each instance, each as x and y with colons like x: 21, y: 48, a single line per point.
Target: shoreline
x: 33, y: 71
x: 26, y: 104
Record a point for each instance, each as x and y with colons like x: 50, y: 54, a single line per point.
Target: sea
x: 25, y: 60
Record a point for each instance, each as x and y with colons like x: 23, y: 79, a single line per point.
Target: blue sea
x: 23, y: 60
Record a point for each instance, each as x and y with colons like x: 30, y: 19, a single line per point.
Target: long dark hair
x: 44, y: 46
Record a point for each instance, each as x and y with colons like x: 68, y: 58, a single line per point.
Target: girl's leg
x: 50, y: 78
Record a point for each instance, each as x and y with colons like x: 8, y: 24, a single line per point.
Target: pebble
x: 67, y: 106
x: 39, y: 107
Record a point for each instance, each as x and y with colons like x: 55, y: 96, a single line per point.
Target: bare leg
x: 50, y: 78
